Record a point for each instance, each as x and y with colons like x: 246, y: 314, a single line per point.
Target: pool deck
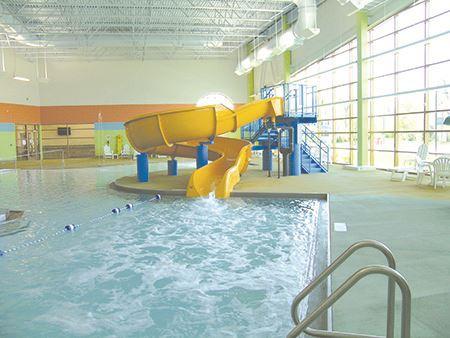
x: 414, y: 221
x: 337, y: 181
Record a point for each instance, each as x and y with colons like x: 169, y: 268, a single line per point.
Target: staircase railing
x: 306, y: 164
x: 248, y: 131
x: 319, y: 150
x: 389, y: 271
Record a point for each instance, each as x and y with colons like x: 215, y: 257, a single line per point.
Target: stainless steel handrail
x: 347, y: 285
x: 336, y: 263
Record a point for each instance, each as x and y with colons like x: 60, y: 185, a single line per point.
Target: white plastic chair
x: 422, y: 166
x: 126, y: 151
x: 418, y: 165
x: 441, y: 168
x: 107, y: 152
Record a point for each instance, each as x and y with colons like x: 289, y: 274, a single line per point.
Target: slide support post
x: 202, y: 155
x: 295, y: 157
x: 172, y: 167
x: 294, y: 161
x: 267, y: 159
x: 142, y: 167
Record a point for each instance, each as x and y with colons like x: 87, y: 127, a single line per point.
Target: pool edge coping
x: 257, y: 194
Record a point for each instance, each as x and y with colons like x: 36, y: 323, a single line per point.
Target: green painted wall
x: 7, y: 145
x: 287, y: 55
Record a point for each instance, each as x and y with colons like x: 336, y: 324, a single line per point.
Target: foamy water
x: 173, y: 268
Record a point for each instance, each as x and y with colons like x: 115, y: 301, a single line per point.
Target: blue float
x: 142, y: 167
x: 70, y: 227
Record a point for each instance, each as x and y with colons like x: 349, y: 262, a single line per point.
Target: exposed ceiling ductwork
x: 133, y: 29
x: 304, y: 28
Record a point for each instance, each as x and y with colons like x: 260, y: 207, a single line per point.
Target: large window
x: 335, y: 78
x: 409, y: 88
x: 409, y: 83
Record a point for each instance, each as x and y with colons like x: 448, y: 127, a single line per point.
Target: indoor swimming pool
x: 171, y: 268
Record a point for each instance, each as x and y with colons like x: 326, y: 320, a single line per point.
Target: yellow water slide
x: 177, y: 133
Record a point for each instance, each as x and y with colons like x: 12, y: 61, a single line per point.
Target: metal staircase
x: 300, y: 108
x: 315, y: 154
x: 313, y: 151
x: 394, y: 277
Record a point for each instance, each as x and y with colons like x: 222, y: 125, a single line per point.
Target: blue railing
x: 317, y: 149
x: 299, y: 101
x: 306, y: 165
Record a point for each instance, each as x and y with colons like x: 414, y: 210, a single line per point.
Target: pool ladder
x: 394, y: 277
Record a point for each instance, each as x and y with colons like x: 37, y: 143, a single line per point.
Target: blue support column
x: 267, y: 159
x: 294, y: 161
x: 142, y: 167
x: 172, y: 167
x: 295, y: 157
x: 202, y: 155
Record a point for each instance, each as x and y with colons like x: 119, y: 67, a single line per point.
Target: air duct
x: 305, y: 28
x: 306, y: 25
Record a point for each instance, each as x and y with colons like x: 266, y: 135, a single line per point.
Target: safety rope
x: 72, y: 226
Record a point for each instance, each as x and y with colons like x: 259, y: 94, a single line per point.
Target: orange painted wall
x: 109, y: 113
x: 19, y: 114
x: 24, y: 114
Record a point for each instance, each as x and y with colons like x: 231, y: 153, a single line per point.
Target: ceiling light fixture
x: 21, y: 78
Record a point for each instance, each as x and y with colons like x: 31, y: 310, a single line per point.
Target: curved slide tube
x: 177, y: 133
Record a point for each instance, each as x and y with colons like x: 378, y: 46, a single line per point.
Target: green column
x: 250, y: 80
x: 287, y: 55
x: 41, y: 146
x: 362, y: 52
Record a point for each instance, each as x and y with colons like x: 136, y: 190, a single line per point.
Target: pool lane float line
x: 72, y: 227
x: 177, y: 133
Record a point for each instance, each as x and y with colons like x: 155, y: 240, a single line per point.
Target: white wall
x: 269, y: 73
x: 128, y: 82
x: 13, y: 91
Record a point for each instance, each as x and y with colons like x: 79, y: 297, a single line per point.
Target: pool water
x: 171, y: 268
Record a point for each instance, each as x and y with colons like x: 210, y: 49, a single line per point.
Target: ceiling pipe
x: 305, y: 28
